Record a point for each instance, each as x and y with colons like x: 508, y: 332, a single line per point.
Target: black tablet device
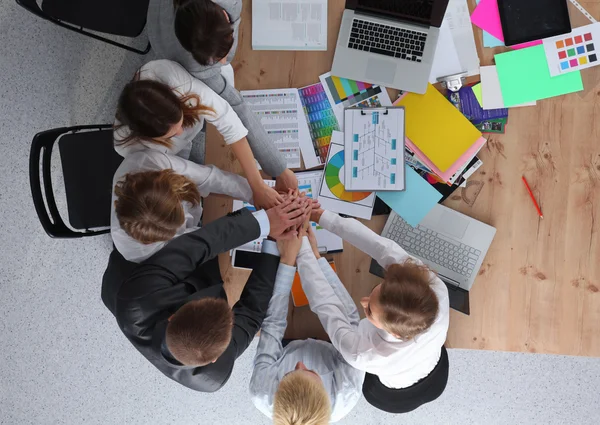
x: 529, y: 20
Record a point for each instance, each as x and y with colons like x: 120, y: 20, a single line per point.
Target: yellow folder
x: 438, y: 129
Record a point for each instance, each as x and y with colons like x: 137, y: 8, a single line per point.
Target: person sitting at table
x: 304, y: 381
x: 400, y: 344
x: 164, y: 108
x: 202, y: 36
x: 157, y: 197
x: 173, y: 309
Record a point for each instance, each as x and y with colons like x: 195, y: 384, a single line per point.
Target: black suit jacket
x: 143, y: 296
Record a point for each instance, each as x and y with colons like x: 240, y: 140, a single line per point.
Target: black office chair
x: 89, y: 162
x: 125, y: 18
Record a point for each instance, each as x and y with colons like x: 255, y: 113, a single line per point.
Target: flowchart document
x: 374, y: 149
x: 289, y: 24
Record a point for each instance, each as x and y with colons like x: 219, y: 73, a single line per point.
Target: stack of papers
x: 289, y: 24
x: 438, y: 133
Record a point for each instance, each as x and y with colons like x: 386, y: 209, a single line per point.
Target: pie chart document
x: 333, y: 195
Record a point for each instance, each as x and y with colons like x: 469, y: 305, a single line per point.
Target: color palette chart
x: 344, y: 93
x: 320, y: 116
x: 350, y: 92
x: 333, y: 195
x: 574, y: 51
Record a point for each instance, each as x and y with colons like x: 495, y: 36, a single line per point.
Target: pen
x: 537, y: 207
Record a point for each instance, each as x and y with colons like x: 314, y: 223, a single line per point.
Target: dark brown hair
x: 409, y: 305
x: 150, y: 108
x: 200, y: 331
x: 203, y: 30
x: 148, y: 204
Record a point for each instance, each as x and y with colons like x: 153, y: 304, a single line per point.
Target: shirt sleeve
x: 265, y: 227
x: 340, y: 291
x: 383, y: 250
x: 270, y: 348
x: 211, y: 179
x: 340, y: 324
x: 224, y: 117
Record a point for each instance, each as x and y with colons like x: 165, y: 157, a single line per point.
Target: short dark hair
x: 200, y: 331
x: 409, y: 304
x: 203, y: 30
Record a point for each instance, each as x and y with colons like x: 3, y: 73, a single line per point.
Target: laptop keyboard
x: 432, y: 246
x: 386, y: 40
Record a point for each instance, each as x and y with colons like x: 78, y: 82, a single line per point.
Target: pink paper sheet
x: 470, y: 153
x: 487, y: 17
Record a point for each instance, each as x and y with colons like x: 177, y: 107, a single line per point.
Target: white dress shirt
x: 182, y: 83
x: 342, y: 382
x: 397, y: 363
x: 208, y: 178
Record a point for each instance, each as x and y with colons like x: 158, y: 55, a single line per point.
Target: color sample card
x: 574, y: 51
x: 344, y: 93
x: 320, y: 116
x: 524, y: 77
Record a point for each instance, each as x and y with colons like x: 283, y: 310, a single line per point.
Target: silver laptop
x: 389, y: 42
x: 452, y: 244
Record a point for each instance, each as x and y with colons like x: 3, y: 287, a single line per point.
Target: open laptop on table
x: 389, y: 42
x: 451, y: 244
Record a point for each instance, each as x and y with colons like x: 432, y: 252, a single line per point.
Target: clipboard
x: 374, y: 149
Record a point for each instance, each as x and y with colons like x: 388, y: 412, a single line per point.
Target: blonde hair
x: 408, y: 304
x: 301, y: 400
x: 149, y: 204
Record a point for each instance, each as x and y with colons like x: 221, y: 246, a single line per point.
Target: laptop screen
x: 429, y: 12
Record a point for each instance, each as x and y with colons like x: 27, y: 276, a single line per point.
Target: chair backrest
x: 125, y: 18
x: 89, y: 162
x: 119, y: 17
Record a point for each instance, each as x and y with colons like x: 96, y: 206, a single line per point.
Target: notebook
x: 437, y: 128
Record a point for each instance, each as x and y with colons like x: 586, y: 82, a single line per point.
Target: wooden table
x: 539, y: 287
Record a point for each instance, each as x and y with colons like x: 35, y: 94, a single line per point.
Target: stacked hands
x: 292, y: 214
x: 290, y: 223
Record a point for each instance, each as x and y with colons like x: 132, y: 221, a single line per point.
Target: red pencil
x: 537, y: 207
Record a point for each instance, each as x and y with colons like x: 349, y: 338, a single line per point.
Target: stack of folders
x: 441, y: 143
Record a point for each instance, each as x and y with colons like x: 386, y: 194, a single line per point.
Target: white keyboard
x: 435, y: 247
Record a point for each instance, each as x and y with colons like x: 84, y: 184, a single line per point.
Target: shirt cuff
x: 305, y: 245
x: 284, y: 279
x: 327, y: 219
x: 270, y: 247
x: 263, y: 222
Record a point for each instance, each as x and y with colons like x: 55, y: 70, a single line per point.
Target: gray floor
x: 63, y: 360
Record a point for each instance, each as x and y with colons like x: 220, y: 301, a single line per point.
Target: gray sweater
x: 161, y: 32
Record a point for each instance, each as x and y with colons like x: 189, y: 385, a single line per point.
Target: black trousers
x: 408, y: 399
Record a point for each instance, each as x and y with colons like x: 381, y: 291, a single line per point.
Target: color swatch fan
x: 344, y: 93
x: 574, y: 51
x: 333, y: 195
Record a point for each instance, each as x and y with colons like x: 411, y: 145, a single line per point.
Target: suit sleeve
x: 252, y: 307
x: 161, y: 272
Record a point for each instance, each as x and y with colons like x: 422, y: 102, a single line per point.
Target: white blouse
x: 208, y: 178
x: 175, y: 76
x: 398, y: 363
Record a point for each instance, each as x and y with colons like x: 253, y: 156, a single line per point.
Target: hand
x: 312, y: 238
x: 265, y: 197
x: 317, y: 212
x: 285, y: 217
x: 286, y: 180
x: 289, y: 248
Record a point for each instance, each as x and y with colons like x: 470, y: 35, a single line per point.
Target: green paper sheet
x: 524, y: 77
x: 477, y: 92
